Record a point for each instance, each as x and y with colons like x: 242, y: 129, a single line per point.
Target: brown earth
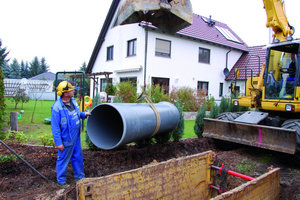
x: 18, y: 181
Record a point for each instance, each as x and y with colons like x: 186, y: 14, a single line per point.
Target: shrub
x: 20, y: 96
x: 126, y: 91
x: 214, y: 112
x: 199, y: 125
x: 210, y: 100
x: 186, y: 98
x: 111, y: 90
x: 9, y: 158
x: 225, y: 105
x: 157, y: 93
x: 46, y: 139
x: 177, y: 133
x: 16, y: 137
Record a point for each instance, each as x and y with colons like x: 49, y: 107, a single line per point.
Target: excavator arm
x: 276, y: 19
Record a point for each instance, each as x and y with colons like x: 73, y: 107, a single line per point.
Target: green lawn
x: 38, y: 126
x: 189, y: 129
x: 43, y: 110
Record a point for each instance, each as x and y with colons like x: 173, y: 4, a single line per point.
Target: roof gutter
x: 102, y: 34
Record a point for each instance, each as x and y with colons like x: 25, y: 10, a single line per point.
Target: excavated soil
x: 18, y: 181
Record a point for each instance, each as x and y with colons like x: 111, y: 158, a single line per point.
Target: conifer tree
x: 34, y: 67
x: 15, y: 69
x: 3, y: 60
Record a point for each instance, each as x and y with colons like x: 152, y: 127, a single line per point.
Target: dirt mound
x: 18, y: 181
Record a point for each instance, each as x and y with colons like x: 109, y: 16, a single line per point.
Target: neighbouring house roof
x: 45, y: 76
x: 253, y: 60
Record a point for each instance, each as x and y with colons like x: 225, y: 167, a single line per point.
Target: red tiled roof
x: 253, y: 59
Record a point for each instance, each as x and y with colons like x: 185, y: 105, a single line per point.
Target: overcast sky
x: 65, y: 31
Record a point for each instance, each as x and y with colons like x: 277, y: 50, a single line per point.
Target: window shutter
x: 162, y: 46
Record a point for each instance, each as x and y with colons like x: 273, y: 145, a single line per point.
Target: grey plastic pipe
x: 114, y: 124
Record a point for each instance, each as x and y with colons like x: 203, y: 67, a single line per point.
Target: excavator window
x: 281, y: 72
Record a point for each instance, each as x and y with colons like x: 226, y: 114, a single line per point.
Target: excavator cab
x: 282, y: 74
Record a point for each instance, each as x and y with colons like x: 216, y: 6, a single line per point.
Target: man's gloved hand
x: 88, y: 113
x: 60, y: 147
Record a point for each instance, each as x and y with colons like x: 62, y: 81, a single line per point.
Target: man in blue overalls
x: 65, y: 125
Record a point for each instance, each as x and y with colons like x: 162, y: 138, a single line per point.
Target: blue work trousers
x: 73, y: 153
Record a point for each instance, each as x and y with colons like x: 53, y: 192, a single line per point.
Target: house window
x: 221, y: 90
x: 103, y: 84
x: 133, y: 80
x: 131, y: 47
x: 203, y: 86
x: 204, y: 55
x: 110, y: 53
x: 163, y: 48
x: 162, y: 82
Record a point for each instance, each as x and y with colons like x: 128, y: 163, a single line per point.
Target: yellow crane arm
x: 276, y: 19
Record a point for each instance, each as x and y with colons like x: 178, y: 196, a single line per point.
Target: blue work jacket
x: 62, y: 131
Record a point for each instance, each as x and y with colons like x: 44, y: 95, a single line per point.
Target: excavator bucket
x: 272, y: 138
x: 167, y: 15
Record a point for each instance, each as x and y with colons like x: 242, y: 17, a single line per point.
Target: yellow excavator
x: 273, y: 96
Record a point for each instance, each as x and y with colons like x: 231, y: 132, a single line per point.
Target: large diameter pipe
x: 114, y: 124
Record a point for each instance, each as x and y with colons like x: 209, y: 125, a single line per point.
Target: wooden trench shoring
x: 186, y: 177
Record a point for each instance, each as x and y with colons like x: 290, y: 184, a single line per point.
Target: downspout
x: 226, y: 70
x: 227, y: 58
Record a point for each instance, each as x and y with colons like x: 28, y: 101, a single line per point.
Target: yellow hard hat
x: 64, y: 86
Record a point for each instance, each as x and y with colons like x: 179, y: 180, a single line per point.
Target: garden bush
x: 186, y: 98
x: 111, y: 90
x: 9, y: 158
x: 126, y: 91
x: 20, y: 96
x: 46, y: 139
x: 214, y: 112
x: 225, y: 105
x: 199, y: 125
x: 157, y: 93
x: 16, y: 137
x: 177, y: 133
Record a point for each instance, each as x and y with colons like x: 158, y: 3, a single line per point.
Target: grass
x: 189, y: 129
x: 43, y: 110
x: 38, y: 126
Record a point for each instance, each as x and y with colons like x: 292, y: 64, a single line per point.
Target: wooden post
x: 13, y: 121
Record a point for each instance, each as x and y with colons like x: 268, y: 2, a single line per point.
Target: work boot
x: 63, y: 185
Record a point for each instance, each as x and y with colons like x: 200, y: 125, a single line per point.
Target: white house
x: 194, y: 57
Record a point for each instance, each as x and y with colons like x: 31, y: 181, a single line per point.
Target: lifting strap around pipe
x: 148, y: 100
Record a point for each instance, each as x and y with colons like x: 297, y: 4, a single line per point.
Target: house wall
x: 182, y: 68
